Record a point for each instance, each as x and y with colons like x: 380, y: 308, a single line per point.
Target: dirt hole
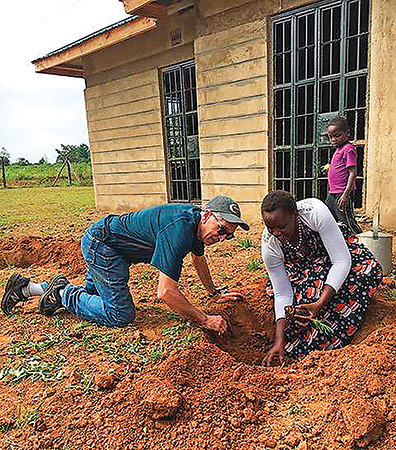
x: 245, y: 339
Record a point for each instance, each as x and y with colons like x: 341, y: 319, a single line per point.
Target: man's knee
x: 121, y: 319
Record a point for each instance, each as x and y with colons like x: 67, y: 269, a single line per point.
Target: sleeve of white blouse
x: 273, y: 260
x: 335, y: 245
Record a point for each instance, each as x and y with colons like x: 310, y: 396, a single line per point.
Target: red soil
x: 214, y: 394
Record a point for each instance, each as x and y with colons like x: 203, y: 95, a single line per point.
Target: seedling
x: 225, y: 253
x: 295, y: 410
x: 322, y: 325
x: 57, y: 321
x: 88, y: 385
x: 154, y: 354
x: 28, y: 417
x: 223, y: 276
x: 191, y: 338
x: 246, y: 243
x: 198, y: 288
x: 81, y: 325
x: 177, y: 329
x: 170, y: 315
x: 254, y: 264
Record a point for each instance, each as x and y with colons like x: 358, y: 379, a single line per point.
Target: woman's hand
x: 276, y: 351
x: 306, y: 312
x: 309, y: 311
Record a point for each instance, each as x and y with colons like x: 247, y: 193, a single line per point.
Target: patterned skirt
x: 345, y: 312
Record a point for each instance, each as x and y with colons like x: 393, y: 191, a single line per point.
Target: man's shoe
x: 13, y: 292
x: 51, y: 301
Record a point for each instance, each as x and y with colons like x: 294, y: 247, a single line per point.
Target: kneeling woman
x: 322, y: 271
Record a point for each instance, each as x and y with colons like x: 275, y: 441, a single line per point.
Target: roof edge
x: 101, y: 39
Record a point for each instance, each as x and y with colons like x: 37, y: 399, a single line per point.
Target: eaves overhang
x: 68, y: 60
x: 148, y: 8
x: 158, y: 9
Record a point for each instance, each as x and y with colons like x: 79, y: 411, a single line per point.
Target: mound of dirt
x: 60, y: 254
x: 203, y: 399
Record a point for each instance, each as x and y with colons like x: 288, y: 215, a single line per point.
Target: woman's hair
x: 340, y: 123
x: 278, y: 200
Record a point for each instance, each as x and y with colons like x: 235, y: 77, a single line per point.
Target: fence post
x: 3, y: 171
x: 69, y: 172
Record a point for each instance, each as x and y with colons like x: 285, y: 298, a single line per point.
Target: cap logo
x: 234, y: 208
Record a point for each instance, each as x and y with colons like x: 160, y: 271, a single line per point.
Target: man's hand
x: 276, y: 350
x: 215, y: 323
x: 229, y: 297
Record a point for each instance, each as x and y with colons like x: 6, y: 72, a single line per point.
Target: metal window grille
x: 320, y: 71
x: 181, y: 129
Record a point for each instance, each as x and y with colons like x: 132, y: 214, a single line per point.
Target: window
x: 181, y: 128
x: 320, y: 71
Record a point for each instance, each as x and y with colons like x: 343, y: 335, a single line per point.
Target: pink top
x: 343, y: 158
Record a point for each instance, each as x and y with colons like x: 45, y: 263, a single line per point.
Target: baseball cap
x: 228, y: 209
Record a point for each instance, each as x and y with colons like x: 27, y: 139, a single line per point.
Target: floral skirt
x: 345, y: 312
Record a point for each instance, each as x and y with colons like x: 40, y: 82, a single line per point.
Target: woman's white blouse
x: 317, y: 216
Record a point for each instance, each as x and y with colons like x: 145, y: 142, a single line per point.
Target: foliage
x: 22, y: 162
x: 246, y: 243
x: 43, y: 160
x: 35, y: 369
x: 295, y: 410
x: 5, y: 155
x: 254, y: 264
x: 73, y: 153
x: 28, y: 417
x: 45, y: 174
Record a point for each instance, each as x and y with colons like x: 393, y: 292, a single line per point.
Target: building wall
x: 381, y: 161
x: 123, y: 104
x: 233, y: 112
x: 229, y: 41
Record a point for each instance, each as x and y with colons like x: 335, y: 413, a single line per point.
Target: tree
x: 22, y: 162
x: 43, y: 160
x: 5, y: 155
x: 73, y: 153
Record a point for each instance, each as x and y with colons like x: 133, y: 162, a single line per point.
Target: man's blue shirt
x: 162, y: 235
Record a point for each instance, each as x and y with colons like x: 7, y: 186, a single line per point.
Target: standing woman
x: 325, y: 273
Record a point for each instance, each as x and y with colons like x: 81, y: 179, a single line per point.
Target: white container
x: 380, y: 245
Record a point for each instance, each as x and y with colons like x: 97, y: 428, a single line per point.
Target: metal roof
x: 87, y: 38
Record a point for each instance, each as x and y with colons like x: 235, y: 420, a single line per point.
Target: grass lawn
x: 46, y: 209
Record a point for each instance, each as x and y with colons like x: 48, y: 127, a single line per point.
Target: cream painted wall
x: 123, y: 103
x: 381, y: 155
x: 233, y: 113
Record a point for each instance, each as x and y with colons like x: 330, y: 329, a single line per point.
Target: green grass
x: 254, y: 264
x: 28, y: 418
x: 35, y: 369
x: 49, y: 206
x: 45, y: 174
x: 295, y: 410
x: 246, y: 243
